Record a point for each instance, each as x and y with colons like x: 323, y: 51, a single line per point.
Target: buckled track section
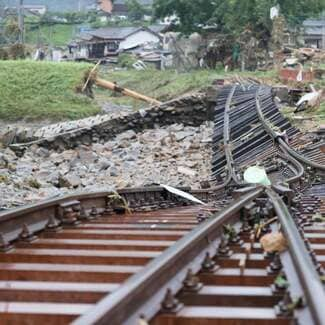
x: 85, y: 259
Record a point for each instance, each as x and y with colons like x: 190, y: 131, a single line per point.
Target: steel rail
x: 226, y: 139
x: 299, y: 169
x: 142, y: 294
x: 37, y: 215
x: 300, y: 157
x: 280, y: 141
x: 311, y: 283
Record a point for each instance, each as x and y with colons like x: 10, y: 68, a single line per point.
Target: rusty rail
x: 141, y: 295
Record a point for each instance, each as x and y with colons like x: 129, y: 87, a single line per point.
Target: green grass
x: 321, y: 113
x: 58, y: 35
x: 42, y: 90
x: 164, y: 85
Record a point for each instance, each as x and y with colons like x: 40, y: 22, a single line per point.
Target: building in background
x: 111, y: 41
x: 119, y: 7
x: 314, y: 33
x: 36, y: 9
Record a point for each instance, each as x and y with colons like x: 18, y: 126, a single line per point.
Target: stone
x: 71, y: 180
x: 190, y: 163
x: 179, y: 136
x: 113, y: 171
x: 128, y: 135
x: 86, y: 156
x: 98, y: 148
x: 186, y: 171
x: 104, y: 164
x: 149, y: 157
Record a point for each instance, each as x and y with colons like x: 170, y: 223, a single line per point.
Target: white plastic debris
x: 256, y: 175
x: 312, y: 99
x: 185, y: 195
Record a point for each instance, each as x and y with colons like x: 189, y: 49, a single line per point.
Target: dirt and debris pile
x: 191, y: 110
x: 177, y: 155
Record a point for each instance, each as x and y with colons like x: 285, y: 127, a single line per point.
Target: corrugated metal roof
x: 158, y: 28
x: 314, y: 26
x: 118, y: 33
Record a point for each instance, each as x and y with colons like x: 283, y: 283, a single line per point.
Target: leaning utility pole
x: 21, y: 23
x: 323, y: 30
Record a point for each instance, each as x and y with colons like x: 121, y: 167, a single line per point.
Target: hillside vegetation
x: 43, y: 90
x: 58, y: 34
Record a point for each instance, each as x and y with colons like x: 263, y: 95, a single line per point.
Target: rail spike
x: 84, y: 216
x: 223, y: 248
x: 93, y: 213
x: 276, y: 264
x: 53, y: 225
x: 191, y: 282
x: 26, y: 235
x: 4, y: 244
x: 171, y: 304
x: 69, y: 213
x: 209, y: 265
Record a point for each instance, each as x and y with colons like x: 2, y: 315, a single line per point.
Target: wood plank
x: 236, y: 296
x: 98, y: 244
x: 254, y: 261
x: 222, y: 316
x: 71, y: 256
x: 24, y: 291
x: 140, y: 226
x: 116, y: 234
x: 233, y: 277
x: 40, y: 313
x: 66, y: 273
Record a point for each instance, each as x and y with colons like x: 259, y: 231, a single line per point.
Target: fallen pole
x: 127, y: 92
x: 92, y: 78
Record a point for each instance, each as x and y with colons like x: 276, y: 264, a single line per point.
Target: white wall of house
x: 41, y: 10
x: 138, y: 38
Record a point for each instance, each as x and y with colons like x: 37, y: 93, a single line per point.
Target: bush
x: 126, y: 60
x: 3, y: 54
x: 17, y: 51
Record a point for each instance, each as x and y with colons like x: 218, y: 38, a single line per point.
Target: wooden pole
x: 113, y: 86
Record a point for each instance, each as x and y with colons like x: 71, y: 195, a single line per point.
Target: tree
x: 191, y: 14
x: 233, y: 16
x: 135, y: 9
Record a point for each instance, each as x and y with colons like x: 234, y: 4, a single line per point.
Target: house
x: 106, y: 6
x: 111, y: 41
x: 36, y: 9
x: 119, y: 7
x: 314, y: 33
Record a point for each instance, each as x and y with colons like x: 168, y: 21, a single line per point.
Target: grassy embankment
x: 164, y: 85
x: 41, y: 90
x: 46, y: 91
x: 57, y: 35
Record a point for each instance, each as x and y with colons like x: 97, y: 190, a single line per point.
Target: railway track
x: 148, y: 256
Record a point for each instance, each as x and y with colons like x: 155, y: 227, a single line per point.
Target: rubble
x: 176, y: 155
x: 191, y: 110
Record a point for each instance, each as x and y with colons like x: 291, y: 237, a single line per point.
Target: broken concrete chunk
x: 86, y: 156
x: 128, y: 135
x: 69, y: 181
x: 186, y: 171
